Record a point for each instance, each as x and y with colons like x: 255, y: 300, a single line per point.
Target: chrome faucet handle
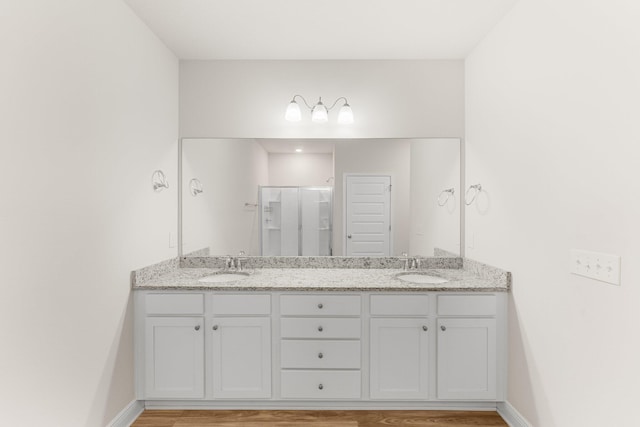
x: 413, y: 264
x: 228, y: 263
x: 417, y: 261
x: 241, y: 257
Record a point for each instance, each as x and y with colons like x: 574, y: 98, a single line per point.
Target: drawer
x: 174, y: 303
x: 319, y: 327
x: 320, y: 305
x: 320, y: 354
x: 320, y: 384
x: 466, y: 305
x: 399, y: 305
x: 241, y: 304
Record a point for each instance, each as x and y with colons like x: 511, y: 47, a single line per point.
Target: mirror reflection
x: 352, y: 197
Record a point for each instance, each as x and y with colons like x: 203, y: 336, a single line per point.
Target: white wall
x: 376, y: 157
x: 230, y: 171
x: 435, y: 166
x: 300, y: 170
x: 552, y: 136
x: 247, y: 99
x: 89, y: 109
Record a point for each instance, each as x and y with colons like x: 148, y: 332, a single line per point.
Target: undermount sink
x: 420, y: 278
x: 225, y: 276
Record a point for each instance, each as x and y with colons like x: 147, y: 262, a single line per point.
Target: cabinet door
x: 466, y: 359
x: 399, y: 359
x: 241, y: 352
x: 174, y: 353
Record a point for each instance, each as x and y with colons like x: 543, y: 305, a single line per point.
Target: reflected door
x: 367, y: 213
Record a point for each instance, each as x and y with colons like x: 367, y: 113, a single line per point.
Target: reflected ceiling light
x: 319, y: 112
x: 298, y: 150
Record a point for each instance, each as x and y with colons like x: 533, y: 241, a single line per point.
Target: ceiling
x: 321, y: 30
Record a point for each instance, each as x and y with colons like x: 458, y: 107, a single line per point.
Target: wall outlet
x: 595, y: 265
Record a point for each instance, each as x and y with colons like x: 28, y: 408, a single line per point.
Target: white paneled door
x: 368, y: 215
x: 399, y: 359
x: 467, y: 361
x: 174, y: 357
x: 241, y: 351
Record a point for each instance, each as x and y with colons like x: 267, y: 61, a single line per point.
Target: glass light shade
x: 293, y: 113
x: 345, y: 116
x: 319, y: 114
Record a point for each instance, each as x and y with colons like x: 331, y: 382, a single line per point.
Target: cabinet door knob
x: 424, y: 328
x: 320, y: 306
x: 320, y: 355
x: 320, y: 386
x: 215, y: 327
x: 444, y: 328
x: 320, y: 328
x: 348, y: 236
x: 197, y: 328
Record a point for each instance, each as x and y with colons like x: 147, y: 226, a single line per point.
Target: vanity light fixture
x: 319, y: 112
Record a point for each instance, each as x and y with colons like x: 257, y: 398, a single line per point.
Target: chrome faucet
x: 239, y: 260
x: 415, y: 264
x: 228, y: 263
x: 405, y: 257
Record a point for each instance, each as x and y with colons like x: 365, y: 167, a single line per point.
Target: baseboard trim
x: 128, y: 415
x: 319, y: 404
x: 511, y: 415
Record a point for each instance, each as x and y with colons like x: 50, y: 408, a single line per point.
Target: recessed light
x: 298, y: 150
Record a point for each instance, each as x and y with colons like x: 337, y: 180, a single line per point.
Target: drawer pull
x: 215, y: 327
x: 444, y: 328
x: 320, y: 306
x: 197, y: 328
x: 320, y: 328
x: 320, y: 355
x: 320, y: 386
x: 424, y: 328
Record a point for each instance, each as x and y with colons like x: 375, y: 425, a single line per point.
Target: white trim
x: 320, y: 404
x: 128, y: 415
x: 511, y: 415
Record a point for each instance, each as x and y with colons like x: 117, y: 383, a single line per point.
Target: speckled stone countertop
x: 325, y: 279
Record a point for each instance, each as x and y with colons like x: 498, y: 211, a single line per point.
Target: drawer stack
x: 320, y: 346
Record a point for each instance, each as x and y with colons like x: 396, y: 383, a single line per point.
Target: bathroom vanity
x: 321, y: 338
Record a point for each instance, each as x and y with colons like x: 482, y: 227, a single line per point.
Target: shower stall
x: 295, y: 221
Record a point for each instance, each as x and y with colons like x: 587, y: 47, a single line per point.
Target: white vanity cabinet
x: 320, y: 346
x: 240, y: 348
x: 174, y: 346
x: 468, y: 347
x: 298, y: 349
x: 399, y: 347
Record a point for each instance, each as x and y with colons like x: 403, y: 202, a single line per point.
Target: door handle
x: 348, y: 236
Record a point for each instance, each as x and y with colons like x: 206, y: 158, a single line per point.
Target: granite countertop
x: 324, y: 279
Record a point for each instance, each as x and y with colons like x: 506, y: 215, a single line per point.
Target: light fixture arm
x: 336, y: 101
x: 303, y: 100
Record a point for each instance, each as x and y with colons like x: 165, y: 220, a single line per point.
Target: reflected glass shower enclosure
x: 296, y: 221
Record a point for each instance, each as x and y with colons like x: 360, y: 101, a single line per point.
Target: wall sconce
x: 319, y: 112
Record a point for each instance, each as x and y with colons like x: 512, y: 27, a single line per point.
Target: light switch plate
x: 596, y: 265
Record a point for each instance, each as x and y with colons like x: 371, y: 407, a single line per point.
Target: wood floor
x: 162, y: 418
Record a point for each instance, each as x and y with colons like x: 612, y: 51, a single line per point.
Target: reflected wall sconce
x: 159, y: 181
x: 195, y: 187
x: 319, y: 112
x: 474, y: 190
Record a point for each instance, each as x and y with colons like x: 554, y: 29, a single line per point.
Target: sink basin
x: 224, y: 277
x: 420, y: 278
